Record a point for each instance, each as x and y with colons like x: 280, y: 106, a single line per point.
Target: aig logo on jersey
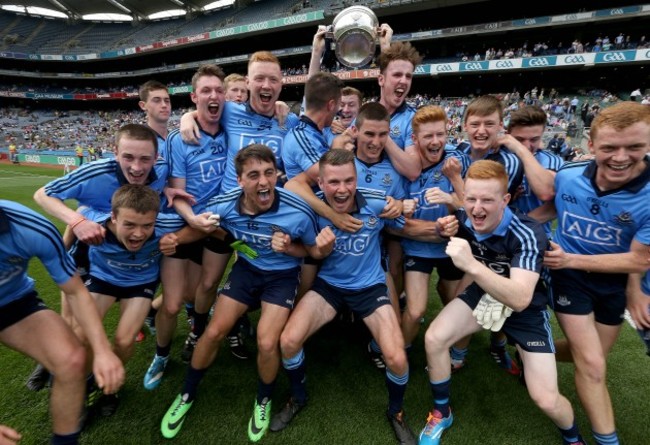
x: 273, y: 142
x: 590, y: 231
x: 395, y: 132
x: 212, y: 170
x: 354, y: 245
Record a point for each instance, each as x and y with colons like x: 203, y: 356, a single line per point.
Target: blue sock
x: 163, y: 351
x: 458, y: 355
x: 200, y: 322
x: 264, y: 390
x: 67, y: 439
x: 570, y: 434
x: 440, y: 391
x: 396, y: 385
x: 189, y: 309
x: 374, y: 347
x: 606, y: 439
x: 295, y: 368
x: 192, y: 380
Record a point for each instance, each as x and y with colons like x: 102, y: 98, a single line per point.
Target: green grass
x: 347, y: 394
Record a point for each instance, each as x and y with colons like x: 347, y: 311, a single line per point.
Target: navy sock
x: 152, y: 313
x: 192, y: 380
x: 295, y: 368
x: 570, y: 434
x: 200, y: 322
x: 163, y: 351
x: 65, y: 439
x: 264, y: 390
x: 189, y: 309
x: 396, y: 385
x: 441, y: 390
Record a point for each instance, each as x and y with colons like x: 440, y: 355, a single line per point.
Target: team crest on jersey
x: 395, y: 131
x: 387, y: 180
x: 437, y: 176
x: 372, y: 222
x: 502, y: 257
x: 624, y: 218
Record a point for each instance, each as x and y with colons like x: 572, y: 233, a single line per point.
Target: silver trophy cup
x: 354, y: 32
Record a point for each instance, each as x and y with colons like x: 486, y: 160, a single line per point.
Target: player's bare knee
x: 171, y: 308
x: 593, y: 370
x: 396, y: 360
x: 72, y: 366
x: 289, y: 345
x: 436, y: 340
x: 546, y: 400
x: 124, y: 343
x: 267, y: 345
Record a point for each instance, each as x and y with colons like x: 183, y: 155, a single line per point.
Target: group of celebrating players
x: 343, y: 208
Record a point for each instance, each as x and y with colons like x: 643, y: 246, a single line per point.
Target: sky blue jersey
x: 303, y: 147
x: 110, y: 261
x: 513, y: 165
x: 288, y: 214
x: 381, y: 176
x: 244, y: 127
x: 93, y: 184
x: 431, y: 177
x: 527, y: 200
x: 592, y: 222
x: 401, y: 131
x: 25, y: 234
x: 203, y: 166
x: 355, y: 262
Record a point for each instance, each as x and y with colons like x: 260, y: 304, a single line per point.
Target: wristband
x: 77, y: 222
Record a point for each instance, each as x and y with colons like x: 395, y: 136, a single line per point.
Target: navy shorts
x: 250, y: 285
x: 217, y: 246
x: 79, y: 253
x: 530, y: 328
x: 580, y: 293
x: 362, y: 302
x: 147, y: 290
x: 17, y: 310
x: 445, y: 267
x: 192, y: 251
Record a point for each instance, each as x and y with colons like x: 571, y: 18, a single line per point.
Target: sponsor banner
x: 87, y: 56
x: 301, y: 78
x: 617, y: 11
x: 20, y: 56
x: 69, y: 57
x: 615, y: 56
x: 55, y: 96
x: 51, y: 57
x: 181, y: 90
x: 505, y: 64
x: 539, y: 62
x: 572, y: 17
x: 171, y: 42
x: 197, y: 37
x: 475, y: 66
x: 645, y: 8
x: 421, y: 35
x: 642, y: 54
x: 33, y: 57
x: 531, y: 22
x: 575, y: 59
x: 489, y: 26
x: 47, y: 159
x: 144, y: 48
x: 112, y: 54
x: 12, y: 94
x: 421, y: 69
x: 443, y: 68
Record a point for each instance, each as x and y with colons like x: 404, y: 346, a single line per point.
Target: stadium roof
x: 140, y: 9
